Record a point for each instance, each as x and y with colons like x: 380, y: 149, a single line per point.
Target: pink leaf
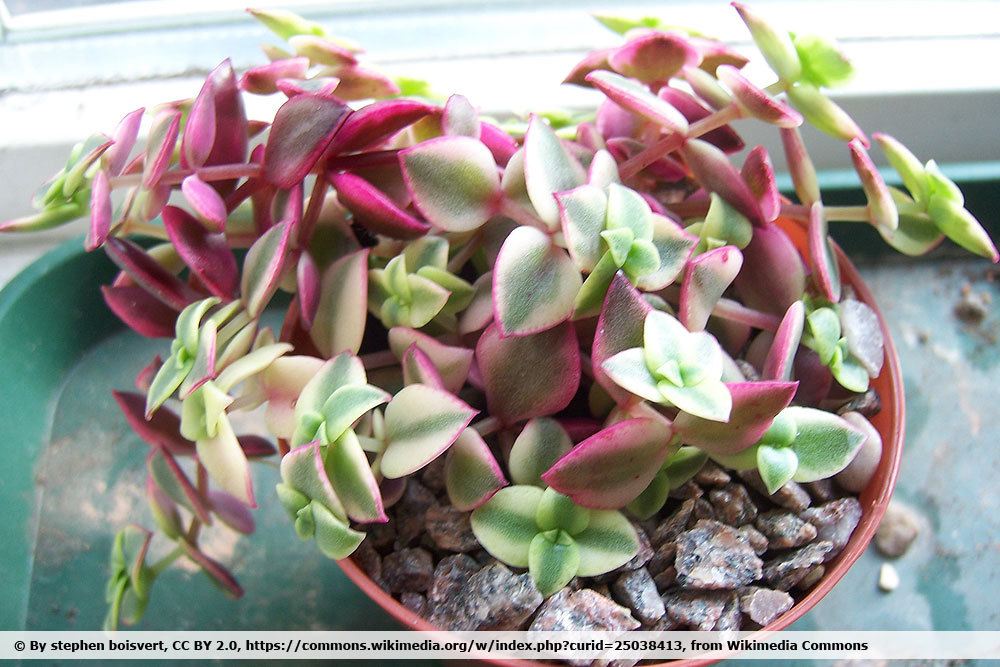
x: 755, y: 405
x: 205, y: 201
x: 781, y: 357
x: 706, y: 277
x: 716, y: 174
x: 499, y: 142
x: 255, y: 446
x: 199, y: 131
x: 231, y: 511
x: 613, y: 121
x: 800, y: 167
x: 231, y: 127
x: 418, y: 369
x: 162, y: 429
x: 308, y: 281
x: 124, y: 138
x: 321, y: 86
x: 773, y: 275
x: 263, y: 267
x: 263, y: 79
x: 826, y: 273
x: 592, y: 62
x: 611, y: 468
x: 141, y: 311
x: 160, y: 147
x: 529, y: 376
x: 619, y: 328
x: 758, y: 172
x: 358, y: 83
x: 100, y: 211
x: 757, y: 102
x: 724, y: 138
x: 146, y: 272
x: 635, y: 97
x: 375, y: 123
x: 197, y: 504
x: 206, y: 253
x: 881, y: 207
x: 303, y: 128
x: 653, y: 56
x: 374, y: 209
x: 219, y: 574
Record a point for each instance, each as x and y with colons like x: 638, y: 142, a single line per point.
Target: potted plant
x: 575, y: 373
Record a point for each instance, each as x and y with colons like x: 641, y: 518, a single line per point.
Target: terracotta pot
x: 889, y: 422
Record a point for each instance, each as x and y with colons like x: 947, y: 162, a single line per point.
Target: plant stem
x: 168, y: 560
x: 830, y: 213
x: 727, y: 309
x: 220, y: 172
x: 521, y: 215
x: 146, y: 229
x: 313, y: 209
x: 487, y: 426
x: 456, y: 263
x: 376, y: 360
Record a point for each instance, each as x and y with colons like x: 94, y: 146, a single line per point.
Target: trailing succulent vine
x: 576, y: 312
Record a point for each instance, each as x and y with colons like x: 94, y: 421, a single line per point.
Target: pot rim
x: 874, y: 499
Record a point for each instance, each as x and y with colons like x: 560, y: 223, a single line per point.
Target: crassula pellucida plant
x: 574, y: 312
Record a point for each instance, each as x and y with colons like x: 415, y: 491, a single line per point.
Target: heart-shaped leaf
x: 540, y: 444
x: 454, y: 182
x: 350, y: 474
x: 706, y: 277
x: 206, y: 253
x: 780, y: 358
x: 534, y: 284
x: 610, y: 469
x: 472, y: 474
x: 824, y: 443
x: 343, y: 305
x: 777, y: 466
x: 528, y: 376
x: 548, y: 169
x: 609, y: 542
x: 420, y: 424
x: 374, y: 209
x: 451, y: 362
x: 553, y: 561
x: 635, y: 97
x: 505, y: 524
x: 303, y: 470
x: 654, y: 56
x: 302, y: 130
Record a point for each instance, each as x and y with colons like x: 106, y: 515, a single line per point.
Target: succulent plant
x: 573, y: 311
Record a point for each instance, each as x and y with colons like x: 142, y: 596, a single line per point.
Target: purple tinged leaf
x: 499, y: 142
x: 302, y: 130
x: 319, y: 86
x: 321, y: 51
x: 800, y: 166
x: 707, y: 87
x: 351, y: 475
x: 231, y: 126
x: 263, y: 266
x: 716, y: 174
x: 199, y: 130
x: 144, y: 378
x: 452, y: 363
x: 881, y: 207
x: 826, y: 272
x: 100, y: 211
x: 170, y: 477
x: 205, y: 201
x: 755, y: 404
x: 339, y: 325
x: 418, y: 369
x: 654, y: 56
x: 148, y: 274
x: 460, y: 118
x: 374, y: 124
x: 215, y: 570
x: 534, y: 284
x: 263, y: 79
x: 780, y: 360
x: 815, y: 379
x: 706, y: 277
x: 303, y: 470
x: 231, y: 512
x: 479, y: 313
x: 773, y: 275
x: 528, y: 376
x: 635, y: 97
x: 160, y: 147
x: 471, y: 473
x: 256, y: 447
x: 163, y: 509
x: 374, y: 209
x: 123, y: 141
x: 613, y: 121
x: 724, y: 138
x: 758, y: 172
x: 592, y: 62
x: 358, y: 83
x: 715, y: 53
x: 206, y: 253
x: 756, y: 102
x: 454, y: 182
x: 162, y: 429
x: 611, y: 468
x: 619, y: 328
x: 141, y: 311
x: 307, y: 281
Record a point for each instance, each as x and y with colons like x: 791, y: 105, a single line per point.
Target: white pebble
x: 888, y: 578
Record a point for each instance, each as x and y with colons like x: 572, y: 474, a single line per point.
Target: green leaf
x: 548, y: 169
x: 454, y: 182
x: 774, y: 43
x: 916, y: 234
x: 960, y: 226
x: 777, y: 466
x: 165, y: 382
x: 683, y: 465
x: 189, y: 322
x: 709, y: 399
x: 609, y: 542
x: 303, y: 471
x: 351, y: 476
x: 824, y: 443
x: 628, y: 210
x: 583, y: 212
x: 541, y: 443
x: 629, y: 371
x: 553, y: 560
x: 663, y: 338
x: 339, y: 324
x: 263, y: 266
x: 250, y: 365
x: 427, y: 251
x: 427, y: 299
x: 505, y: 525
x: 848, y: 370
x: 591, y: 296
x: 460, y: 291
x: 202, y: 411
x: 642, y: 260
x: 334, y: 537
x: 824, y: 114
x: 652, y: 499
x: 619, y: 242
x: 906, y: 164
x: 472, y: 474
x: 824, y: 330
x: 556, y: 510
x: 673, y: 247
x: 534, y: 283
x: 420, y: 424
x: 286, y: 24
x: 347, y: 404
x: 226, y: 463
x: 341, y: 371
x: 725, y: 223
x: 823, y: 64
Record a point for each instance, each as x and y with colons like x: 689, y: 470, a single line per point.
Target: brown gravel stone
x: 643, y: 555
x: 687, y: 491
x: 733, y: 505
x: 432, y: 475
x: 711, y: 556
x: 637, y: 591
x: 791, y: 567
x: 494, y: 598
x: 415, y: 602
x: 812, y: 578
x: 673, y: 525
x: 369, y: 561
x: 582, y: 610
x: 821, y: 491
x: 450, y: 575
x: 381, y: 535
x: 663, y: 558
x: 763, y: 605
x: 731, y: 617
x: 703, y: 510
x: 868, y: 404
x: 835, y: 522
x: 408, y: 570
x: 756, y: 539
x: 791, y: 496
x: 666, y: 579
x: 712, y: 475
x: 784, y: 529
x: 899, y: 528
x: 450, y: 529
x: 411, y: 512
x: 699, y: 610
